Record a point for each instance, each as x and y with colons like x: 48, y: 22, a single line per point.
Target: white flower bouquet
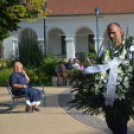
x: 91, y: 89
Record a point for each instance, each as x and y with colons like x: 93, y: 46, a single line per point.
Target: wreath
x: 91, y: 89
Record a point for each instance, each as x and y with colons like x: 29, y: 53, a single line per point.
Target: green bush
x: 45, y: 80
x: 4, y: 63
x: 49, y: 64
x: 47, y: 69
x: 32, y: 75
x: 5, y: 74
x: 42, y: 74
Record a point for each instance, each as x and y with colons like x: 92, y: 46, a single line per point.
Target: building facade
x: 68, y: 33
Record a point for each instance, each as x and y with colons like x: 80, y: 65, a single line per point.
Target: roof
x: 83, y: 7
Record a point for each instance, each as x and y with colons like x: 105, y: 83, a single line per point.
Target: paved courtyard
x: 53, y: 119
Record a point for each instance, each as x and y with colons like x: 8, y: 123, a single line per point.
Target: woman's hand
x: 23, y: 72
x: 26, y: 76
x: 24, y: 86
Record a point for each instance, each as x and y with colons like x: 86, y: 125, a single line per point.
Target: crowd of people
x: 63, y: 66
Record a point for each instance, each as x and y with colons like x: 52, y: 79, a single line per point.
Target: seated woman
x: 19, y: 80
x: 81, y: 67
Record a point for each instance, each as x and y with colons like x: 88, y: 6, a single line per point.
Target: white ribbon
x: 111, y: 85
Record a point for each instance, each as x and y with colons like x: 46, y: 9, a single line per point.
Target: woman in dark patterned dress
x: 19, y: 80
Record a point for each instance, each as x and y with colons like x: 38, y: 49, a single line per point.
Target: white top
x: 75, y: 66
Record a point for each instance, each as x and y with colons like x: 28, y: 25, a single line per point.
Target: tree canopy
x: 13, y: 11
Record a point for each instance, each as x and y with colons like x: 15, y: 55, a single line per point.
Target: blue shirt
x: 58, y: 69
x: 68, y: 66
x: 117, y: 54
x: 18, y: 78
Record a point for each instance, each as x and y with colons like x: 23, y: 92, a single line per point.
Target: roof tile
x: 74, y: 7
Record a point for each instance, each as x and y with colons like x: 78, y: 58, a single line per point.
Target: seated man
x: 60, y: 70
x: 69, y: 65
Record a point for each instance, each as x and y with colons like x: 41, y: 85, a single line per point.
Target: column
x: 70, y: 48
x: 15, y: 48
x: 100, y: 42
x: 41, y: 44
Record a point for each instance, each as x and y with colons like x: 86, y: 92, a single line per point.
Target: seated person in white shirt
x: 60, y: 70
x: 75, y: 65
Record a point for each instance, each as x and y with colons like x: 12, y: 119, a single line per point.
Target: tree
x: 30, y: 52
x: 13, y: 11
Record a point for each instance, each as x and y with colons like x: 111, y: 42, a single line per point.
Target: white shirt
x: 75, y: 66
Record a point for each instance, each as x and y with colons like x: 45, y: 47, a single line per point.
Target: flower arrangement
x: 91, y: 89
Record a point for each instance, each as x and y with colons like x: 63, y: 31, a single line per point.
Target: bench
x: 15, y: 103
x: 54, y: 80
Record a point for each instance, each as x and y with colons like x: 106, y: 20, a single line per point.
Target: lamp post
x: 45, y: 51
x: 97, y: 26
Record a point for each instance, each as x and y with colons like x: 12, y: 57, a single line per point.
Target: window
x: 63, y: 44
x: 91, y: 40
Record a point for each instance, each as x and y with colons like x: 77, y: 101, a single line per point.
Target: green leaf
x: 92, y: 47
